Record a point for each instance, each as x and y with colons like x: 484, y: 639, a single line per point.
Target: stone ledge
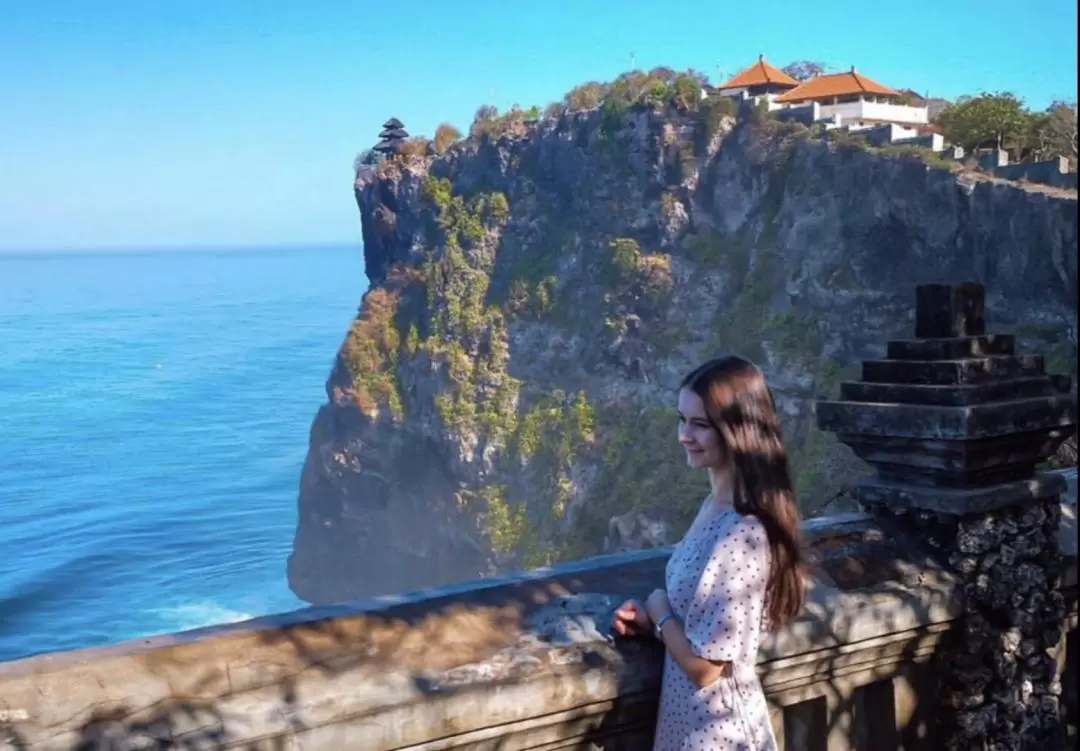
x: 960, y: 502
x: 959, y: 458
x: 450, y: 663
x: 949, y: 396
x: 946, y: 423
x: 970, y: 371
x: 951, y: 349
x: 523, y: 661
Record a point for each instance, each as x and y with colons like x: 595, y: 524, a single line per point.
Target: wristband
x: 659, y: 627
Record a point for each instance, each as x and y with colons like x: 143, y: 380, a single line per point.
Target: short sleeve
x: 723, y: 620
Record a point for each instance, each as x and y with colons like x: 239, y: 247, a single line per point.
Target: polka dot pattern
x: 716, y: 580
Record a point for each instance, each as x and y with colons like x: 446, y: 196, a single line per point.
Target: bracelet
x: 658, y: 629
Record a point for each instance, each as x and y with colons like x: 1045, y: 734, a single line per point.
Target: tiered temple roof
x: 392, y: 136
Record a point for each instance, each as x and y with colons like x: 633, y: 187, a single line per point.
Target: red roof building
x: 760, y: 78
x: 836, y: 88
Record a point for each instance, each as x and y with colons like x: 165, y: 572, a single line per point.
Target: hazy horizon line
x: 187, y: 248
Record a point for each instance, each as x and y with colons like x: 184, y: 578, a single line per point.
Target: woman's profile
x: 737, y: 572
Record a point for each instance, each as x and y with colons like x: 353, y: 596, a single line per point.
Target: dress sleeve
x: 726, y: 611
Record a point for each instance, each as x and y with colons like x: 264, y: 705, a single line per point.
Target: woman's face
x: 696, y: 433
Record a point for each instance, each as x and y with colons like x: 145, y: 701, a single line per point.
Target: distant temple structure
x: 393, y: 135
x: 849, y: 99
x: 760, y: 79
x: 857, y: 100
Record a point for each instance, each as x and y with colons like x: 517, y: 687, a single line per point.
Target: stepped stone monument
x: 956, y: 424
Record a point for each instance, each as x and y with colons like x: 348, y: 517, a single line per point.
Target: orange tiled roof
x: 835, y: 84
x: 758, y: 74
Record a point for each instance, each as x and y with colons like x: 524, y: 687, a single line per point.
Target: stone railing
x: 942, y: 617
x: 518, y: 662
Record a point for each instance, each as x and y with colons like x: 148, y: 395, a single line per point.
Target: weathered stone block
x: 961, y: 501
x: 948, y: 423
x: 971, y: 370
x: 951, y: 349
x: 952, y: 463
x: 949, y: 310
x: 921, y: 393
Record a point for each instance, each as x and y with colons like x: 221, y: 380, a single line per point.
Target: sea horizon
x: 127, y: 249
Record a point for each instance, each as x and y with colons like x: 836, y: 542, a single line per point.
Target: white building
x: 855, y: 100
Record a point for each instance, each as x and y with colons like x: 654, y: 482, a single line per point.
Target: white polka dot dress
x: 716, y: 580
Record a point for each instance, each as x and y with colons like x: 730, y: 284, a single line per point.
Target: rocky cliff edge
x: 505, y: 397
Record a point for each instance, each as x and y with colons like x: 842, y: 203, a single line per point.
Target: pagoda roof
x: 393, y: 122
x: 835, y: 84
x: 394, y: 133
x: 759, y: 74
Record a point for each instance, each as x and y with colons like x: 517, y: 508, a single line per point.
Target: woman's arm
x: 700, y: 671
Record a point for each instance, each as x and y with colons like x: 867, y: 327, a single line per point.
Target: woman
x: 737, y: 572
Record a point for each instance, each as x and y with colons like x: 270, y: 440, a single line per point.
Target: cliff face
x: 506, y: 396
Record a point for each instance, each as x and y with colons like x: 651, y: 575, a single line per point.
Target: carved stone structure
x: 955, y: 424
x: 392, y: 136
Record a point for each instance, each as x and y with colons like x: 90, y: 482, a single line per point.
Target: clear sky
x: 228, y: 122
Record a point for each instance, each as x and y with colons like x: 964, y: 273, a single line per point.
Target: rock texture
x: 504, y: 398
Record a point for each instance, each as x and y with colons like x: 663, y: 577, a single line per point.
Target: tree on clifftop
x: 1058, y: 131
x: 986, y: 120
x: 1001, y: 120
x: 445, y: 136
x: 804, y: 70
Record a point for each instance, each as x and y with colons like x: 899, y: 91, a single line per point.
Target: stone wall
x: 1053, y: 172
x: 524, y: 661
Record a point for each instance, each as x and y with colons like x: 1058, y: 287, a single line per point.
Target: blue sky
x: 235, y: 122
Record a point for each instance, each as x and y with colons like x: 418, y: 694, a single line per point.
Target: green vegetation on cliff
x: 468, y: 335
x: 371, y: 352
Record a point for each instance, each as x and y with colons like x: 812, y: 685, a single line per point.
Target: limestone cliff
x: 505, y: 397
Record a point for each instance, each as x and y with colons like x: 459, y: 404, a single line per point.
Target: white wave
x: 199, y: 615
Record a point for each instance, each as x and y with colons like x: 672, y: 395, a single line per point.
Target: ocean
x: 154, y: 418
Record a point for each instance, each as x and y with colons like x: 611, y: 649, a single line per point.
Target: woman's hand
x: 631, y: 619
x: 657, y: 606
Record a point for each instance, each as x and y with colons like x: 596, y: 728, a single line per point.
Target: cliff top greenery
x: 987, y: 119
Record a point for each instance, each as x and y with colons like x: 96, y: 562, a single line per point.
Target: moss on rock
x: 640, y: 467
x: 371, y: 352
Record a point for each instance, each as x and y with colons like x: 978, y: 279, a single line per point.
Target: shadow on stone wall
x: 519, y: 662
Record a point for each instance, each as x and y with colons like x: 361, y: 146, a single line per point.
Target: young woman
x: 736, y: 573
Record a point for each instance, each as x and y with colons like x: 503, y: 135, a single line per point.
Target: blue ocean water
x: 154, y: 417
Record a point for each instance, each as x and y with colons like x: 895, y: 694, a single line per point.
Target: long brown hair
x: 740, y: 407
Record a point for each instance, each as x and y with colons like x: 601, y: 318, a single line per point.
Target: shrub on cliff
x: 713, y: 111
x: 370, y: 353
x: 659, y: 88
x: 489, y: 122
x: 446, y: 135
x: 418, y: 146
x: 587, y: 96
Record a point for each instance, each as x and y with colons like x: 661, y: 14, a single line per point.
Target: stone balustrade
x: 900, y: 646
x: 523, y: 661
